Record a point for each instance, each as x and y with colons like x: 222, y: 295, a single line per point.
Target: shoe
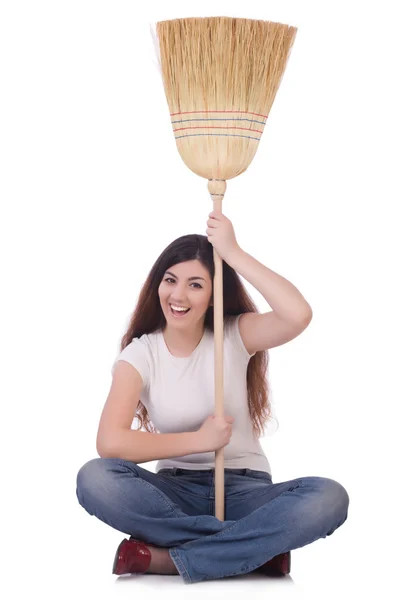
x: 132, y: 556
x: 278, y: 565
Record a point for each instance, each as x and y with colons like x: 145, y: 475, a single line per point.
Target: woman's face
x: 187, y: 284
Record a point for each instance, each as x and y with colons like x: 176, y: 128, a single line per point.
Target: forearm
x: 142, y: 446
x: 282, y: 296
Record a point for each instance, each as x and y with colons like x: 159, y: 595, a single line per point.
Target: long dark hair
x: 148, y: 317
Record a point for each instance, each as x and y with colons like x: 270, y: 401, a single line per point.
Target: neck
x: 183, y: 341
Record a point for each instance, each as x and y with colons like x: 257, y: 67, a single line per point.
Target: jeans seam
x: 162, y: 496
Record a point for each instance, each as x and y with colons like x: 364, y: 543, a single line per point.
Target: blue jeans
x: 174, y: 509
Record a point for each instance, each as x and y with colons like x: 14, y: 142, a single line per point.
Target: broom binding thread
x: 213, y: 125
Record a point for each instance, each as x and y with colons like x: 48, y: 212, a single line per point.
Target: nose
x: 179, y: 300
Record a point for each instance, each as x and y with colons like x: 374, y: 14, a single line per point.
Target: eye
x: 172, y: 279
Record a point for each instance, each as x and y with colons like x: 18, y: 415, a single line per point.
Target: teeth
x: 178, y: 308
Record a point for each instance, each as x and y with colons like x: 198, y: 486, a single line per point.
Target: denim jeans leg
x: 139, y: 503
x: 299, y: 512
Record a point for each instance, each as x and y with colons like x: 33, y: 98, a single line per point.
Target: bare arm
x: 142, y: 446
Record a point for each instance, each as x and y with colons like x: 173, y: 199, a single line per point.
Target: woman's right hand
x: 215, y: 433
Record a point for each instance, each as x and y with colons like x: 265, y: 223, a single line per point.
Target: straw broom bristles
x: 221, y: 76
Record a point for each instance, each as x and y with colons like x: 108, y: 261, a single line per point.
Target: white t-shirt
x: 179, y: 394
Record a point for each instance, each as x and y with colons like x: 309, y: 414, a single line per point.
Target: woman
x: 166, y: 369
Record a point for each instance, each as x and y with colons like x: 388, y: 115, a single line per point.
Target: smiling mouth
x: 179, y: 313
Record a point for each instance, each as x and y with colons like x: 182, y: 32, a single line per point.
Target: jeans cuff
x: 173, y: 552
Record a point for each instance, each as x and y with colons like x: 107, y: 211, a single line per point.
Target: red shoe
x: 280, y: 564
x: 132, y: 556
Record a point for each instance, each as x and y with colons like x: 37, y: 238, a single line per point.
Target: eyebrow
x: 189, y: 279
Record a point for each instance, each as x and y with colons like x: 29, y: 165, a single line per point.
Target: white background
x: 93, y: 189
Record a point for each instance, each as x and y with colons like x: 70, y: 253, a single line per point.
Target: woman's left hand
x: 221, y: 235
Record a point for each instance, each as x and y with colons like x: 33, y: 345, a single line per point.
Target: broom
x: 220, y: 77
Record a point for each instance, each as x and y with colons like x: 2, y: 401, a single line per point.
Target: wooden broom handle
x: 217, y: 188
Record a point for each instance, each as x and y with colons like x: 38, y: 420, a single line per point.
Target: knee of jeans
x: 336, y: 497
x: 97, y: 476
